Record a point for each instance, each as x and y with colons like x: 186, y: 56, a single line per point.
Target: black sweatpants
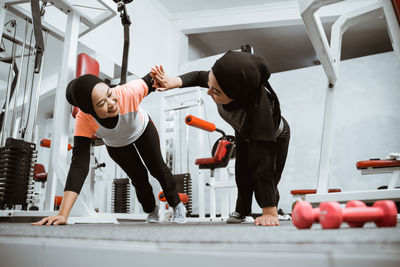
x: 148, y: 147
x: 258, y: 169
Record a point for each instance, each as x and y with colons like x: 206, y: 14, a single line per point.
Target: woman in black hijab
x: 238, y: 84
x: 131, y: 139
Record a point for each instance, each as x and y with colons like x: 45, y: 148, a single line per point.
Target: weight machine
x: 26, y: 141
x: 329, y: 56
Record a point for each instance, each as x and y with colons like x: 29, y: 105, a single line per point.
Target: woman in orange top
x: 115, y: 115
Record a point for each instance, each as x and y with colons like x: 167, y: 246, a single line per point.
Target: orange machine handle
x: 199, y: 123
x: 183, y: 197
x: 58, y: 200
x: 47, y: 143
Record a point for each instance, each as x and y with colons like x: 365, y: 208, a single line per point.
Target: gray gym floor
x: 196, y: 244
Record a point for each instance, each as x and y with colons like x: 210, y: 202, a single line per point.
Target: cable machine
x: 19, y: 130
x: 126, y: 22
x: 18, y: 150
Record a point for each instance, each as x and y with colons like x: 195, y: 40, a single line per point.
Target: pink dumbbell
x: 355, y: 204
x: 304, y: 215
x: 383, y: 213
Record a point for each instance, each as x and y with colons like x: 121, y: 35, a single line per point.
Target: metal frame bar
x: 344, y: 22
x: 14, y: 121
x: 2, y: 19
x: 192, y: 102
x: 66, y: 8
x: 393, y: 25
x: 60, y: 129
x: 3, y: 12
x: 226, y: 185
x: 5, y: 130
x: 313, y: 24
x: 308, y: 9
x: 394, y: 179
x: 379, y: 170
x: 367, y: 196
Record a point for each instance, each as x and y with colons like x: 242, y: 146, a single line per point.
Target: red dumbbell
x: 383, y: 213
x: 183, y: 197
x: 355, y: 204
x: 304, y: 215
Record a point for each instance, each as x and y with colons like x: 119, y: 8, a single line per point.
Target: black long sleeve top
x: 235, y: 118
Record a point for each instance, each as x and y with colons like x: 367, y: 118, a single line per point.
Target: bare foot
x: 267, y: 220
x: 269, y: 217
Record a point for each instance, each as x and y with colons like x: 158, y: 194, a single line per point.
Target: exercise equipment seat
x: 220, y: 158
x: 39, y: 173
x: 377, y: 163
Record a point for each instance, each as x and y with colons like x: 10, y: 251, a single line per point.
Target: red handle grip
x: 199, y: 123
x: 47, y: 143
x: 58, y: 200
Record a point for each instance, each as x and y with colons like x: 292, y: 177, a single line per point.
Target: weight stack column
x: 120, y: 202
x: 17, y: 159
x: 184, y: 185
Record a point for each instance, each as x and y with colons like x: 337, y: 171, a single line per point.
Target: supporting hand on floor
x: 52, y: 220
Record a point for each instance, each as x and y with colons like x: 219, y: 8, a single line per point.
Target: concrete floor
x: 196, y: 244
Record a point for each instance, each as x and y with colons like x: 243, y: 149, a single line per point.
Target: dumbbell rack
x: 120, y: 196
x: 184, y: 185
x: 17, y: 159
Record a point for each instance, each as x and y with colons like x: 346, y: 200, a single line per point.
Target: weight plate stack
x: 184, y: 185
x: 121, y: 196
x: 17, y: 159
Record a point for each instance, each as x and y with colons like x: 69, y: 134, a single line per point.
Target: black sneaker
x: 235, y: 217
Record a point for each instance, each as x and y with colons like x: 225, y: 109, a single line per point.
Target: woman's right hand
x: 162, y: 81
x: 53, y: 220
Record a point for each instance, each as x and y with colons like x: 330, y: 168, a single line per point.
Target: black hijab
x: 79, y: 94
x: 243, y: 77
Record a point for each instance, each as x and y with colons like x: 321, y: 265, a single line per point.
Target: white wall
x: 196, y: 50
x: 366, y: 122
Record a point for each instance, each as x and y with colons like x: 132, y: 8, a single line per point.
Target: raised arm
x: 149, y: 82
x: 164, y: 82
x: 195, y: 78
x: 78, y: 171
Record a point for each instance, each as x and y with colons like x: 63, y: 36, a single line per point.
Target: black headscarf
x: 243, y: 77
x: 236, y: 71
x: 79, y: 94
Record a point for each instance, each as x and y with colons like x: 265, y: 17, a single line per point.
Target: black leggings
x: 258, y: 169
x: 148, y: 146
